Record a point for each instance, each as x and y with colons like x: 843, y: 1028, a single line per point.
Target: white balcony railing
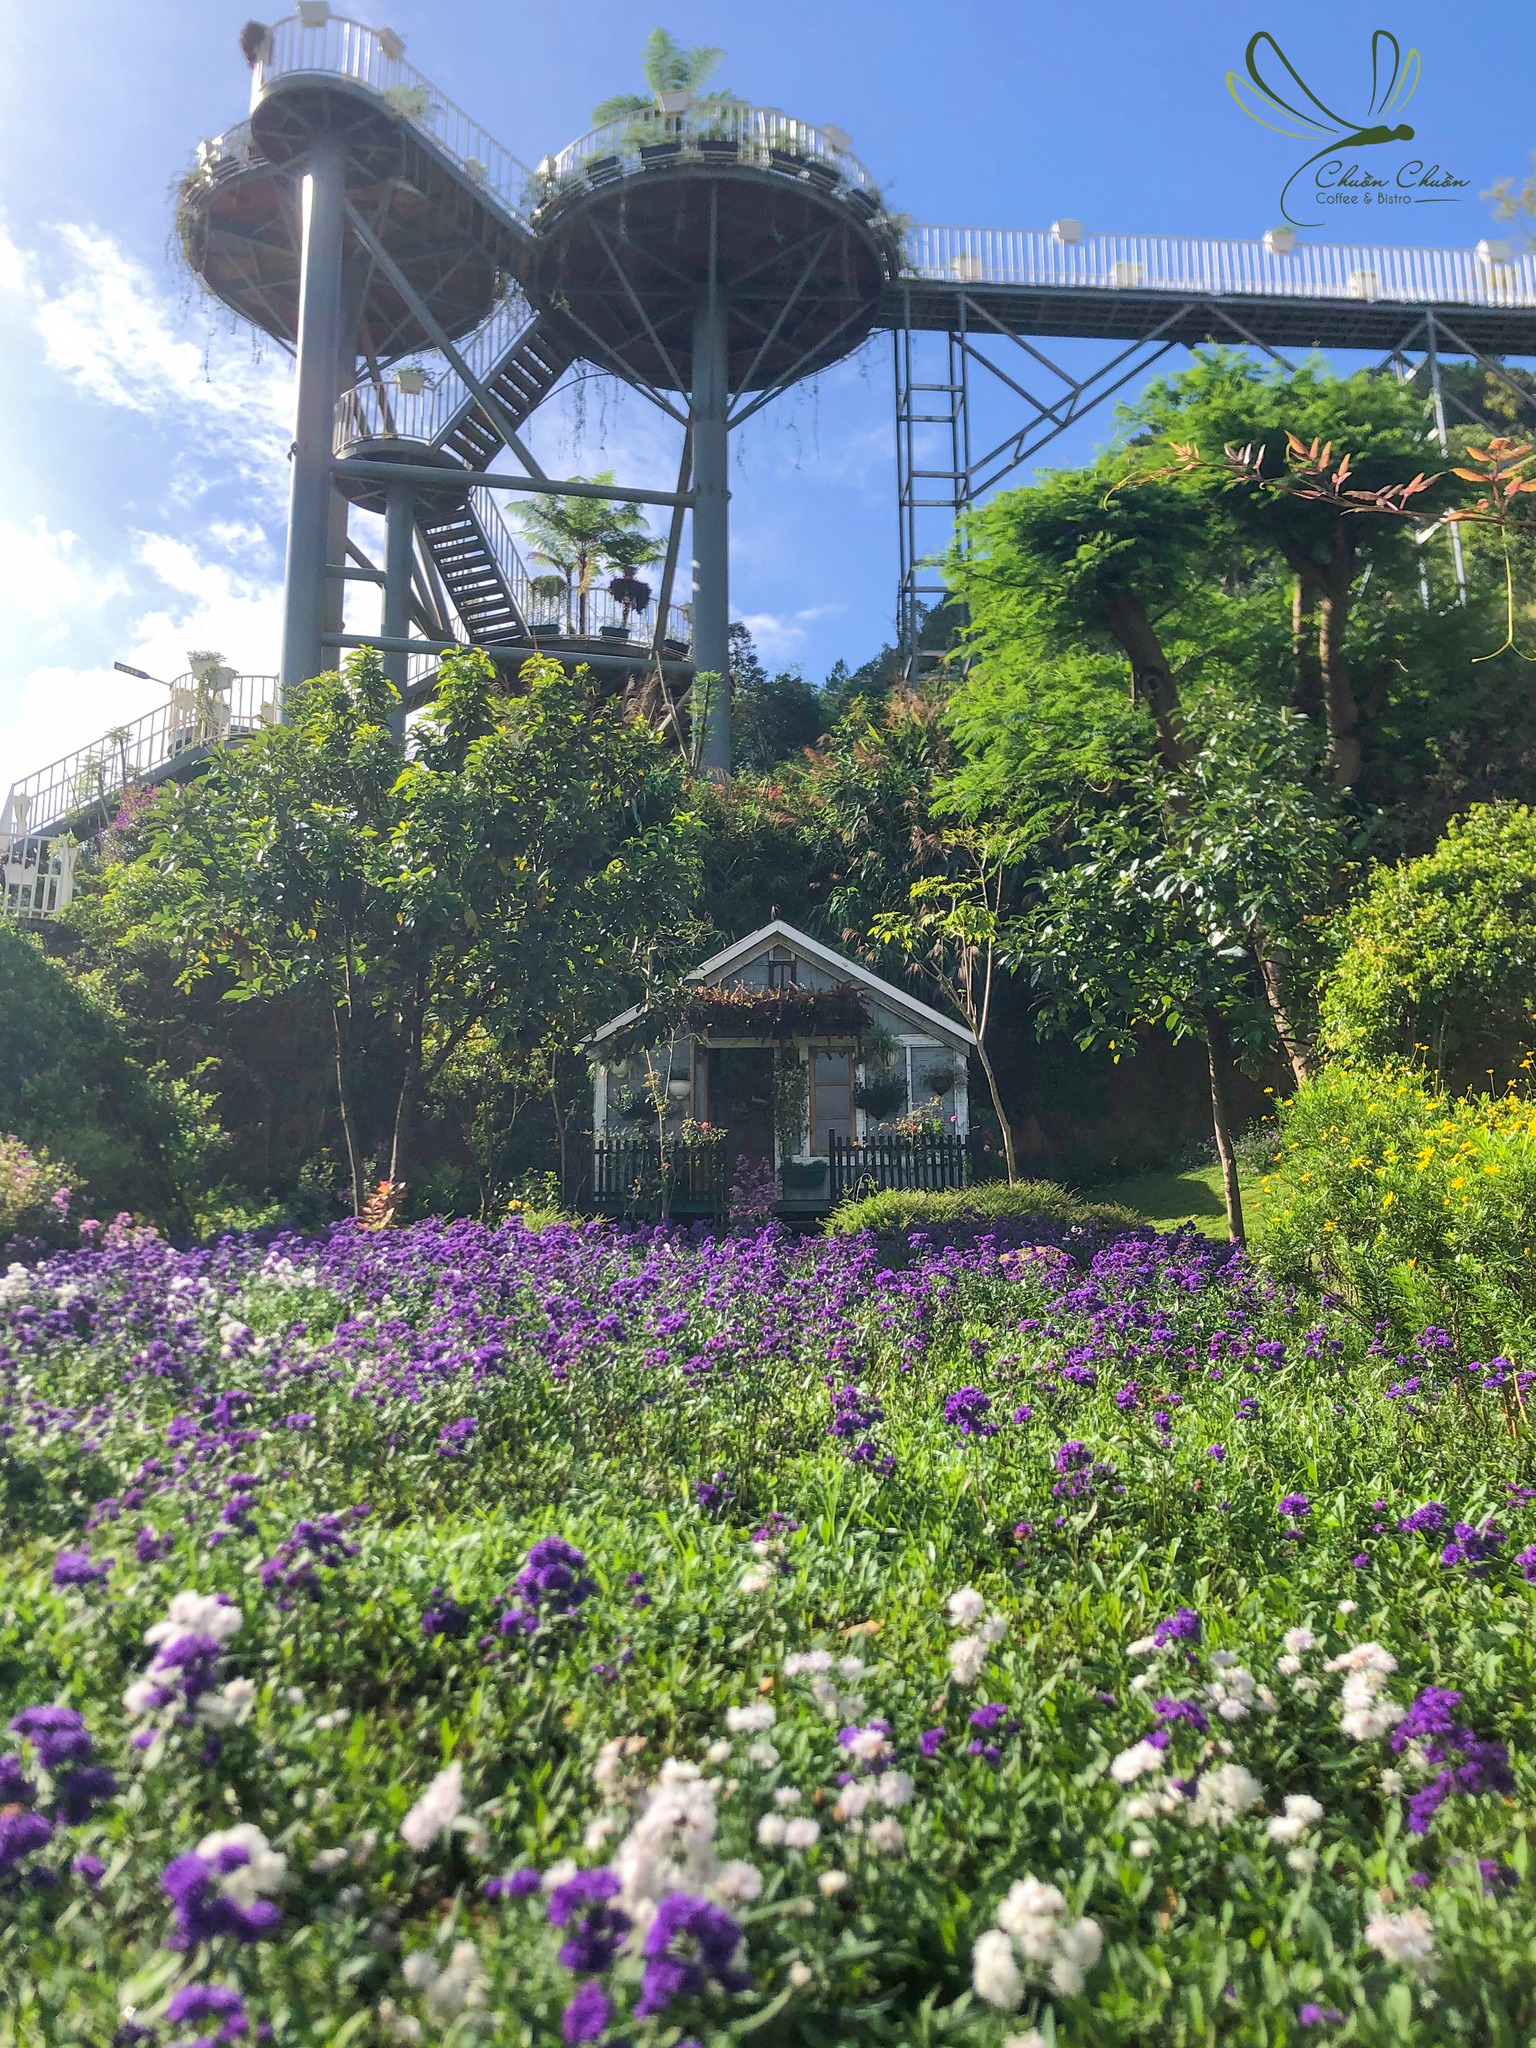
x: 1169, y: 263
x: 383, y: 410
x: 762, y: 136
x: 567, y: 614
x: 195, y: 717
x: 320, y: 44
x: 37, y: 876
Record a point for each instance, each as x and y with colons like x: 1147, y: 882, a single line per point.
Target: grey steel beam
x: 309, y: 497
x: 710, y: 409
x: 637, y: 664
x: 399, y: 533
x: 424, y: 474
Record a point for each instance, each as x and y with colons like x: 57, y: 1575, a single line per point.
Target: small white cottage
x: 784, y: 1058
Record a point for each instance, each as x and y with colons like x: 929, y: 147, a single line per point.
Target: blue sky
x: 142, y: 435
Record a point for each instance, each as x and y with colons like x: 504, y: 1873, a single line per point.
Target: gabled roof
x: 840, y: 964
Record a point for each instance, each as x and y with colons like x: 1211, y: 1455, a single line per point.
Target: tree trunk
x: 1003, y: 1125
x: 1341, y: 714
x: 1306, y: 677
x: 1218, y: 1052
x: 1295, y: 1044
x: 1151, y: 677
x: 354, y: 1170
x: 405, y: 1100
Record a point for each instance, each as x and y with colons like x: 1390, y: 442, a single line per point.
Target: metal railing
x: 632, y: 1177
x: 565, y: 614
x: 330, y: 46
x: 891, y: 1161
x: 709, y: 129
x: 383, y: 411
x: 194, y: 718
x: 37, y: 876
x: 1313, y: 270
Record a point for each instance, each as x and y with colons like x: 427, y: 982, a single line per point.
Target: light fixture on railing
x: 393, y: 46
x: 1279, y: 241
x: 1068, y: 231
x: 674, y: 102
x: 836, y: 138
x: 1493, y: 253
x: 139, y: 675
x: 314, y: 13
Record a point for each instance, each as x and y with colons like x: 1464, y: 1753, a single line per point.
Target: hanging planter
x: 740, y: 1011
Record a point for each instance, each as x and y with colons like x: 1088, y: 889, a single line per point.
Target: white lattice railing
x: 565, y: 613
x: 758, y: 135
x: 37, y: 876
x: 386, y: 410
x: 317, y: 43
x: 1312, y: 270
x: 196, y: 716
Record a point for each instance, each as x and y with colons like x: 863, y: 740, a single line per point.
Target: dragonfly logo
x: 1273, y: 92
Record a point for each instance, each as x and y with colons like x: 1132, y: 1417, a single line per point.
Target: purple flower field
x: 448, y: 1634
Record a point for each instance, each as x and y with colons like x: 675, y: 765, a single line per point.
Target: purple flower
x: 443, y: 1615
x: 689, y: 1941
x: 91, y: 1868
x: 1476, y: 1545
x: 1072, y: 1456
x: 714, y: 1496
x: 931, y: 1741
x: 1470, y: 1764
x: 1187, y: 1712
x: 204, y: 1911
x: 1425, y: 1521
x: 1526, y: 1559
x: 21, y: 1835
x: 221, y: 2002
x: 1295, y: 1505
x: 57, y: 1735
x: 1217, y: 1451
x: 80, y: 1792
x: 1311, y: 2015
x: 552, y: 1584
x: 1496, y: 1876
x: 1182, y: 1626
x: 75, y: 1568
x: 455, y: 1438
x: 597, y: 1929
x: 587, y: 2015
x: 966, y: 1411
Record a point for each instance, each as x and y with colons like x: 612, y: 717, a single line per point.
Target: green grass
x: 1167, y: 1199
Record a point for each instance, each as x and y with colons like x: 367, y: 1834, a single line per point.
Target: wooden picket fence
x: 938, y: 1160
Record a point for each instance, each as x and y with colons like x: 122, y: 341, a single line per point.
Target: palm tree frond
x: 622, y: 103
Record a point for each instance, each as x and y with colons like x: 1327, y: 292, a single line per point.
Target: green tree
x: 513, y: 874
x: 579, y: 537
x: 1439, y: 954
x: 667, y: 66
x: 1166, y: 908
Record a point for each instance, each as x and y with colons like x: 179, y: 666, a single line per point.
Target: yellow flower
x: 1388, y: 1199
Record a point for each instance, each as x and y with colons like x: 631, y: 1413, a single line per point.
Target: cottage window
x: 783, y: 970
x: 831, y: 1099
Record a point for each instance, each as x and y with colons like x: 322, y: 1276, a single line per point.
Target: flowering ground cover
x: 572, y: 1635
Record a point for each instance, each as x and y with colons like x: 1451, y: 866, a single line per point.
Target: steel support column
x: 309, y: 500
x: 711, y: 529
x: 399, y: 533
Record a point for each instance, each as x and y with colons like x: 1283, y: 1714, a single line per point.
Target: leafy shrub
x: 35, y: 1191
x: 1415, y: 1204
x: 1440, y: 953
x: 901, y: 1209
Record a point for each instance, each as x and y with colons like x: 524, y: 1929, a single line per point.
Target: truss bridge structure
x: 436, y: 290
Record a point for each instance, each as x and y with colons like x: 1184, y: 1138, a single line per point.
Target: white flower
x: 1288, y: 1666
x: 756, y: 1581
x: 597, y: 1833
x: 230, y: 1703
x: 1301, y: 1813
x: 770, y: 1830
x: 1223, y: 1794
x: 1348, y: 1606
x: 800, y: 1974
x: 1143, y: 1646
x: 869, y: 1745
x: 1304, y: 1860
x: 895, y: 1789
x: 263, y: 1872
x: 196, y: 1614
x: 1300, y: 1639
x: 1391, y: 1783
x: 763, y: 1754
x: 1078, y: 1948
x: 788, y: 1795
x: 1029, y: 1913
x: 855, y: 1799
x: 671, y: 1847
x: 993, y: 1628
x: 1406, y: 1938
x: 750, y: 1720
x: 718, y: 1753
x: 994, y: 1973
x: 887, y: 1836
x: 801, y: 1833
x: 436, y: 1810
x: 739, y: 1882
x: 1033, y: 2039
x: 1309, y: 1685
x: 1135, y: 1762
x: 806, y: 1663
x: 1141, y: 1848
x: 966, y: 1607
x: 330, y: 1859
x: 559, y: 1873
x: 399, y: 2027
x: 831, y: 1882
x: 1364, y: 1657
x: 966, y: 1658
x: 851, y: 1667
x: 452, y: 1988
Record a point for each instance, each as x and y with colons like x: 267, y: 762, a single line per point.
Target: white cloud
x: 781, y: 636
x: 48, y: 580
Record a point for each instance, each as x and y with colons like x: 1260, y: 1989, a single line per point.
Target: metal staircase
x: 523, y: 378
x: 475, y: 570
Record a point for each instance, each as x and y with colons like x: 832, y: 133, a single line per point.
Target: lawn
x: 1168, y: 1199
x: 441, y: 1635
